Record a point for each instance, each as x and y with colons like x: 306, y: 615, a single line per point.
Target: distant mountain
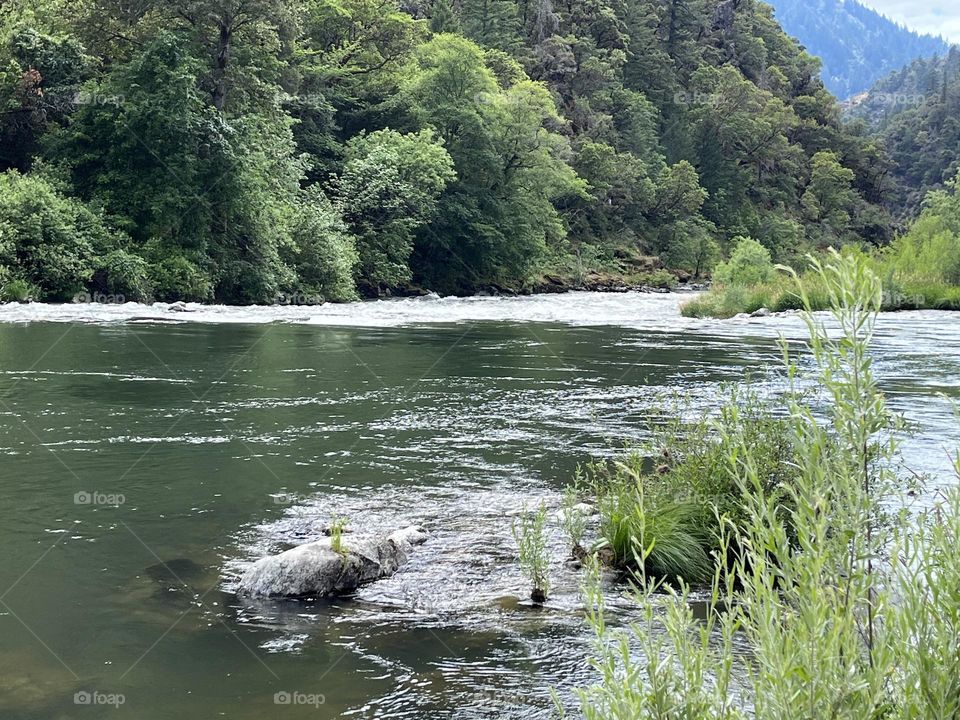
x: 858, y: 45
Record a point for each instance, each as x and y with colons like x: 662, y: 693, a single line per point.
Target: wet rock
x: 179, y: 306
x: 317, y: 570
x: 507, y: 603
x: 762, y: 312
x: 582, y: 509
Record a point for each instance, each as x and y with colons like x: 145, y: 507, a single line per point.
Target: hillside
x: 256, y: 151
x: 858, y: 46
x: 914, y: 112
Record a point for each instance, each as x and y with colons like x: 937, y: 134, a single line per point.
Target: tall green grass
x: 916, y: 275
x: 658, y: 504
x: 827, y: 600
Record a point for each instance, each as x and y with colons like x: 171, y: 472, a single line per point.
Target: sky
x: 937, y: 17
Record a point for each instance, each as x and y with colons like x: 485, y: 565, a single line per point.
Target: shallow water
x: 206, y: 439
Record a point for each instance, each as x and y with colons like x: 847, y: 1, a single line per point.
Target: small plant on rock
x: 337, y: 527
x: 529, y: 532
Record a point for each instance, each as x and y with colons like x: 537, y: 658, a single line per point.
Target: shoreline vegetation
x: 919, y: 270
x: 830, y: 595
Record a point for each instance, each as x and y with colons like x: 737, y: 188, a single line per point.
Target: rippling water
x: 222, y: 434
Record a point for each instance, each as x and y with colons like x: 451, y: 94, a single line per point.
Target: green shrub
x: 322, y: 250
x: 178, y: 278
x: 529, y: 531
x: 47, y: 240
x: 661, y: 279
x: 749, y: 264
x: 18, y: 291
x: 337, y: 527
x: 124, y: 276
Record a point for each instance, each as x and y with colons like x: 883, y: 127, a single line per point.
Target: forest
x: 268, y: 151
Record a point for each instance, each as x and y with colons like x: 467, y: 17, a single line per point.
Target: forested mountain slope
x: 857, y: 44
x: 250, y: 150
x: 916, y: 114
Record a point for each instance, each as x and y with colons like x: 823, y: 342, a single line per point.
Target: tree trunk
x: 223, y: 59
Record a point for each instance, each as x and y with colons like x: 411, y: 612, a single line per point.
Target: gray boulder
x: 317, y: 570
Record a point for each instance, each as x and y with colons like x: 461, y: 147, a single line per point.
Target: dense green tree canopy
x: 263, y: 150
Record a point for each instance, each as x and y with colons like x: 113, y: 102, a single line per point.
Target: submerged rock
x: 317, y: 570
x: 762, y: 312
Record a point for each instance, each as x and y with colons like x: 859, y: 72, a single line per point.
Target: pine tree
x: 442, y: 17
x: 492, y: 23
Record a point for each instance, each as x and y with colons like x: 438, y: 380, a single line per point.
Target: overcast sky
x: 937, y: 17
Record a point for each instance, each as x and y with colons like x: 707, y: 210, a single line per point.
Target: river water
x: 148, y: 456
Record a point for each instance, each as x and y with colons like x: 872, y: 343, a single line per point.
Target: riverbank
x: 723, y: 302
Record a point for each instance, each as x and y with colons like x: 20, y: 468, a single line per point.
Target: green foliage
x: 123, y: 275
x: 661, y: 505
x: 920, y: 269
x: 802, y: 587
x: 529, y: 531
x: 496, y: 224
x: 492, y: 23
x: 388, y: 189
x: 337, y: 527
x: 463, y: 144
x: 913, y: 112
x: 749, y: 264
x: 18, y: 290
x: 321, y: 249
x: 829, y: 197
x: 176, y: 277
x: 442, y: 17
x: 47, y: 240
x: 930, y: 251
x: 573, y: 519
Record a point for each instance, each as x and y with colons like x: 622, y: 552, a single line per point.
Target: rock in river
x: 317, y: 570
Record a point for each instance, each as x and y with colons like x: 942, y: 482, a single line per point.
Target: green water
x: 219, y: 443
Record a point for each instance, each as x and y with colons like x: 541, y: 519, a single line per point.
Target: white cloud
x: 937, y: 17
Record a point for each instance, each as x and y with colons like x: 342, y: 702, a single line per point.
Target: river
x: 150, y: 455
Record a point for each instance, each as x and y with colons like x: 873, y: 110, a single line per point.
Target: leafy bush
x: 18, y: 291
x: 574, y: 521
x: 322, y: 250
x: 661, y: 279
x: 47, y: 240
x: 178, y: 278
x: 389, y: 188
x: 749, y: 264
x: 124, y: 275
x: 930, y: 251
